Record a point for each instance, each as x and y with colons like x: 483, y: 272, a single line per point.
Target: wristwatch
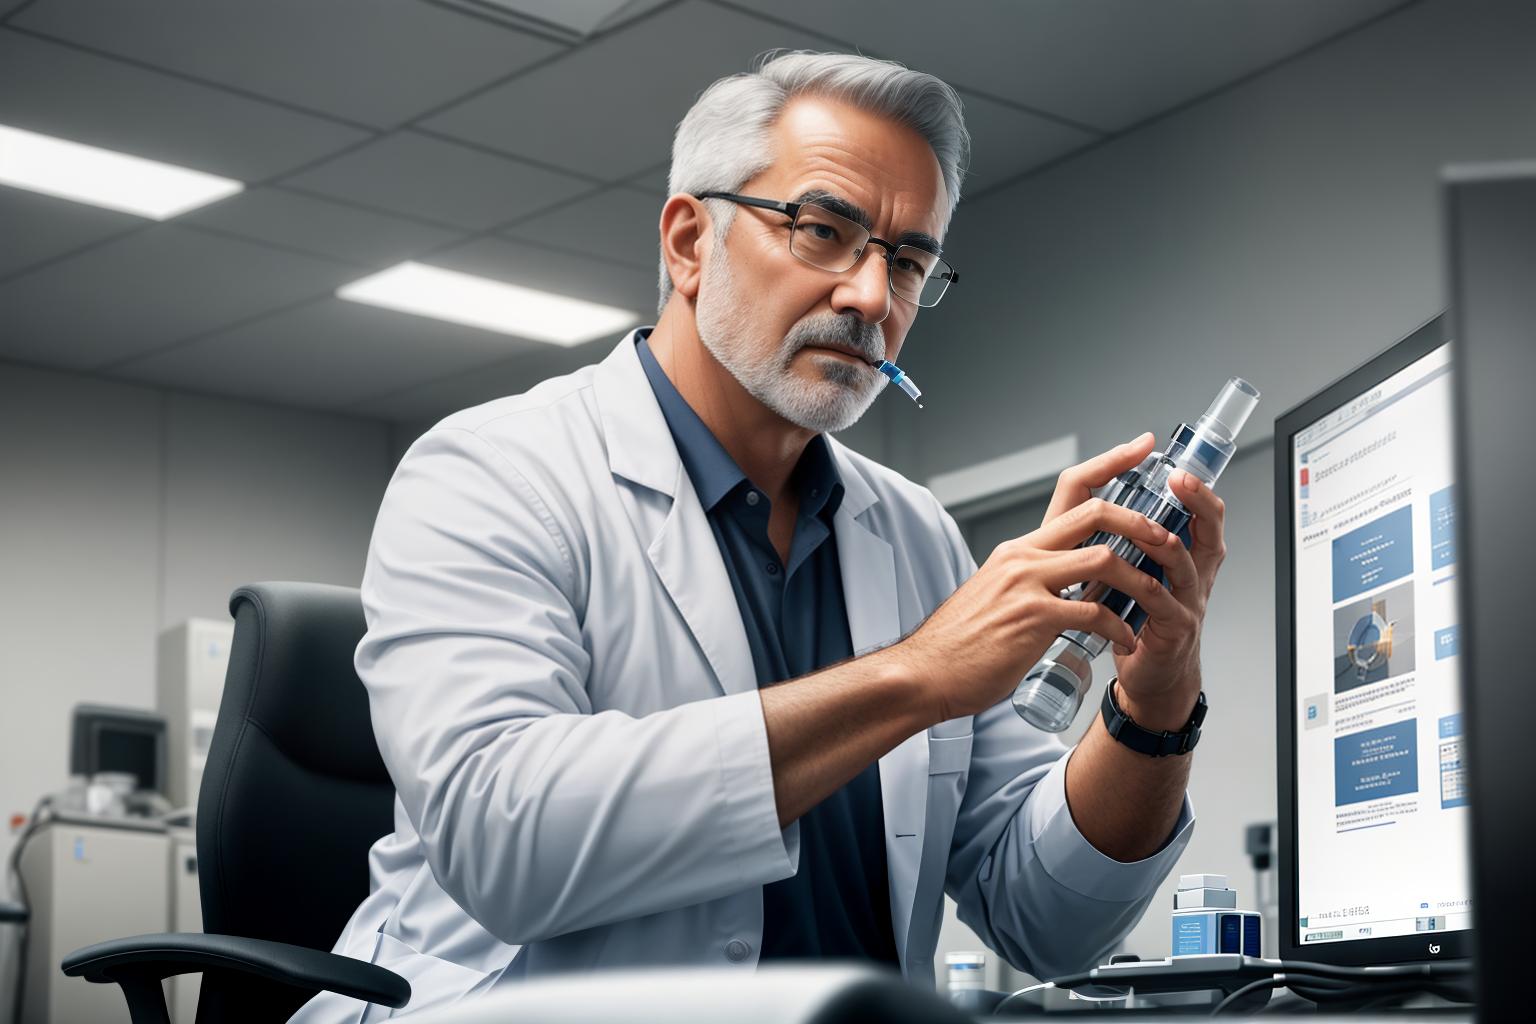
x: 1147, y: 741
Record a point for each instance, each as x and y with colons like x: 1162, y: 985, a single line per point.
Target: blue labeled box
x: 1203, y: 932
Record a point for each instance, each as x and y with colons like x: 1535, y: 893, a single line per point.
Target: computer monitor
x: 111, y: 739
x: 1491, y: 229
x: 1373, y: 801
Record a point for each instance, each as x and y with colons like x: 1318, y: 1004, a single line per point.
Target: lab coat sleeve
x: 538, y: 816
x: 1022, y: 875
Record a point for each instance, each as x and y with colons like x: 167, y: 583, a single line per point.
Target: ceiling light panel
x: 101, y: 177
x: 424, y: 290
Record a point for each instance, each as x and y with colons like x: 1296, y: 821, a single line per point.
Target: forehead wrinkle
x: 861, y: 158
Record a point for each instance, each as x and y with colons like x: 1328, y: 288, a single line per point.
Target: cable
x: 1383, y: 984
x: 1316, y: 982
x: 1278, y: 981
x: 13, y: 868
x: 997, y: 1011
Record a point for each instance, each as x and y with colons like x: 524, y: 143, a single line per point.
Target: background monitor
x: 1373, y: 799
x: 1491, y: 220
x: 111, y: 739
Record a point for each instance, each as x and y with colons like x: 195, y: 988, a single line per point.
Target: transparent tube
x: 1052, y: 692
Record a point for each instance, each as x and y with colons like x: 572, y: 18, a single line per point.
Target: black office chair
x: 294, y: 793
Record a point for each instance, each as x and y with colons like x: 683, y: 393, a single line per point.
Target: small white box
x: 1205, y: 899
x: 1202, y: 882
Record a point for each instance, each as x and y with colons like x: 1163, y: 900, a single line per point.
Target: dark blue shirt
x: 838, y: 903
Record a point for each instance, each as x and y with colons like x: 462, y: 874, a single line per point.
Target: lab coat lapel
x: 874, y: 620
x: 688, y: 561
x: 681, y: 546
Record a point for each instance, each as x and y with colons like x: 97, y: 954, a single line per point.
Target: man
x: 664, y: 675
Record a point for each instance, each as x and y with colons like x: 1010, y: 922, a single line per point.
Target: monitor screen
x: 1380, y: 793
x: 118, y: 739
x: 126, y: 748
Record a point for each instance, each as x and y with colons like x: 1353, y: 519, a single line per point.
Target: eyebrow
x: 856, y: 213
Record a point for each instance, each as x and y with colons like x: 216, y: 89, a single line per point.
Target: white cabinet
x: 87, y: 882
x: 193, y: 659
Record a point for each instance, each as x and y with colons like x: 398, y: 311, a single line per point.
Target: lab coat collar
x: 640, y: 447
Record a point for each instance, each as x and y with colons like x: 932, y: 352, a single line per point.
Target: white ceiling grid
x: 373, y: 131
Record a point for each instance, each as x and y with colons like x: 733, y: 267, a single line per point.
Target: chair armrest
x: 153, y: 957
x: 12, y: 913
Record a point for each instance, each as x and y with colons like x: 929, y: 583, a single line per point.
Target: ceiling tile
x: 319, y: 226
x: 631, y: 11
x: 1006, y: 141
x: 147, y: 290
x: 655, y: 179
x: 440, y: 181
x: 46, y: 87
x: 401, y: 59
x: 39, y: 227
x: 434, y: 399
x: 1105, y: 63
x: 326, y: 354
x: 532, y: 266
x: 609, y: 108
x: 620, y: 224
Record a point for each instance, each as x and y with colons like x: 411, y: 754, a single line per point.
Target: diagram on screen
x: 1373, y: 638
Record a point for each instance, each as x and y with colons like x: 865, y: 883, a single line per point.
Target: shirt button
x: 773, y: 568
x: 736, y: 951
x: 752, y: 497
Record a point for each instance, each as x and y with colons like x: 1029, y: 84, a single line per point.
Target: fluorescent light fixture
x: 494, y: 305
x: 86, y: 174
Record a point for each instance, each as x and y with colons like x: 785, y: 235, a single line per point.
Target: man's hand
x: 1125, y: 803
x: 973, y: 650
x: 976, y: 647
x: 1160, y: 681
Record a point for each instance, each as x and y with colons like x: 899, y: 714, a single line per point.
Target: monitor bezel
x: 1392, y: 949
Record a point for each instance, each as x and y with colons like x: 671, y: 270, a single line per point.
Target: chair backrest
x: 294, y: 791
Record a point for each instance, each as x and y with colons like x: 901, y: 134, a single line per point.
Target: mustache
x: 864, y: 338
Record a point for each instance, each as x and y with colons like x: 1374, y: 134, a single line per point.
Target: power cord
x: 1329, y: 984
x: 13, y: 869
x: 997, y: 1011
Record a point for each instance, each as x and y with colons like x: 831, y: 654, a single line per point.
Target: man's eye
x: 821, y: 232
x: 906, y: 266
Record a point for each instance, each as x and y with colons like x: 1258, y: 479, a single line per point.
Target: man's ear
x: 686, y: 233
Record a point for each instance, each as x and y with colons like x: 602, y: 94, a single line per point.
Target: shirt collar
x: 713, y: 472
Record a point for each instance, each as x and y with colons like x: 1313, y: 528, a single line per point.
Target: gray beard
x: 835, y: 402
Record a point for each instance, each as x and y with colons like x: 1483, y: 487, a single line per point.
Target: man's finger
x: 1208, y: 532
x: 1076, y: 483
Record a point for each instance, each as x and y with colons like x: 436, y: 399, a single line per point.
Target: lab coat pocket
x: 949, y: 754
x: 949, y: 746
x: 434, y: 982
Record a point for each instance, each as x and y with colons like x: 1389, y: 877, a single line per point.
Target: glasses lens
x: 919, y: 276
x: 825, y: 239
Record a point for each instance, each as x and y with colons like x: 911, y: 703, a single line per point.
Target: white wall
x: 1284, y: 230
x: 124, y: 510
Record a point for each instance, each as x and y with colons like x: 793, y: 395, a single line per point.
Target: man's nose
x: 865, y: 289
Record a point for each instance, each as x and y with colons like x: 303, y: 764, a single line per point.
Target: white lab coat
x: 562, y: 691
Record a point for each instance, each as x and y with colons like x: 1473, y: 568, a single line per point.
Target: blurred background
x: 1163, y: 194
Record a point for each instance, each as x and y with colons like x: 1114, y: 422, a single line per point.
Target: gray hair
x: 723, y: 141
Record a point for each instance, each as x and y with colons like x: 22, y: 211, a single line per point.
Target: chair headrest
x: 291, y: 664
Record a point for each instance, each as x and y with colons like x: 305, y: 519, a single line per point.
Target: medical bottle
x: 1053, y: 691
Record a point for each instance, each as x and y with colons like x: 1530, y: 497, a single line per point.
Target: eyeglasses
x: 830, y: 241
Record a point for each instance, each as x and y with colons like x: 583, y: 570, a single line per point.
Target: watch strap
x: 1153, y: 743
